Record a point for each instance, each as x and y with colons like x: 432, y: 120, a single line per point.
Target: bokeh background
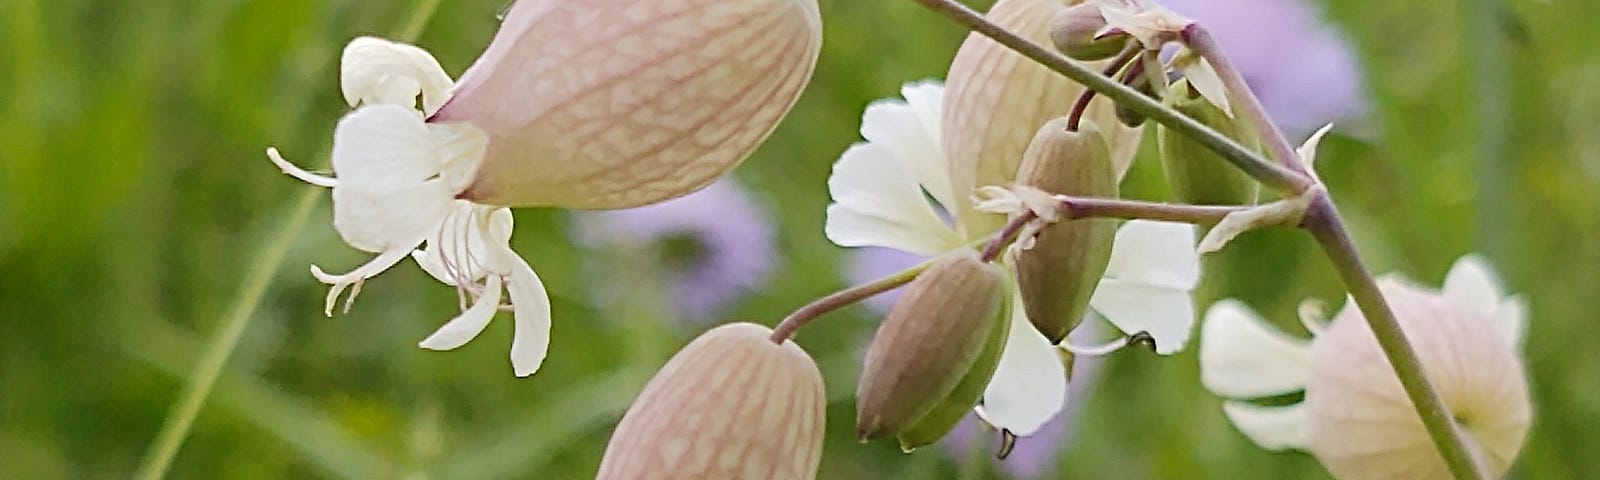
x: 135, y: 204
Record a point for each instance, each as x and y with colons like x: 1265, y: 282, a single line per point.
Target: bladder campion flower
x: 578, y: 104
x: 1355, y: 418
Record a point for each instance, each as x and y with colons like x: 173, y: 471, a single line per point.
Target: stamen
x: 297, y: 172
x: 354, y: 278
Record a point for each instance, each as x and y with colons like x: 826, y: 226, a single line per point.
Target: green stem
x: 1324, y: 224
x: 1199, y: 40
x: 1203, y: 215
x: 175, y: 429
x: 1273, y: 175
x: 844, y: 298
x: 180, y: 419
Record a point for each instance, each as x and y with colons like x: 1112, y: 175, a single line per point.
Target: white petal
x: 1156, y: 253
x: 915, y: 135
x: 1205, y: 79
x: 384, y: 146
x: 297, y: 172
x: 1471, y: 283
x: 1273, y: 428
x: 531, y: 304
x: 461, y: 147
x: 878, y: 203
x: 378, y: 71
x: 1166, y: 314
x: 1029, y: 385
x: 1243, y: 357
x: 470, y: 323
x: 367, y: 270
x: 1511, y: 320
x: 379, y: 220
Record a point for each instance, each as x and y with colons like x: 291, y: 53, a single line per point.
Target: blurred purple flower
x: 1034, y: 456
x: 1300, y: 67
x: 871, y: 263
x: 715, y: 244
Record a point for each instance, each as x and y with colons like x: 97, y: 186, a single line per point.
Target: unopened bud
x: 1059, y: 273
x: 1129, y: 116
x: 1196, y: 174
x: 1075, y: 32
x: 927, y: 346
x: 1360, y: 423
x: 601, y: 104
x: 731, y: 404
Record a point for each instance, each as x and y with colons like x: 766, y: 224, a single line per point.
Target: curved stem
x: 1199, y: 40
x: 1079, y: 107
x: 1324, y: 224
x: 1204, y: 215
x: 180, y: 419
x: 1273, y: 175
x: 843, y: 298
x: 1006, y: 235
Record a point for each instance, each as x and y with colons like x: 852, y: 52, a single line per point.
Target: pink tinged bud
x: 1075, y: 32
x: 1059, y: 273
x: 931, y: 344
x: 995, y: 99
x: 1361, y: 425
x: 600, y: 104
x: 731, y: 404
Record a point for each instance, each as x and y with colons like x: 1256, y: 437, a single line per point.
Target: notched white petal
x: 1155, y: 253
x: 1166, y: 314
x: 1472, y: 283
x: 377, y: 71
x: 1029, y: 384
x: 470, y: 323
x: 338, y: 283
x: 1511, y: 320
x: 878, y: 203
x: 1241, y: 356
x: 1273, y: 428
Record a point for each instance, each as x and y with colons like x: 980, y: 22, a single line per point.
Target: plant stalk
x: 1240, y: 94
x: 1323, y: 223
x: 1271, y: 174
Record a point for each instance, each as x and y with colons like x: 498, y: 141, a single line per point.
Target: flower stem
x: 1273, y: 175
x: 843, y: 298
x: 1006, y: 235
x: 1324, y: 224
x: 1203, y: 215
x: 1199, y: 40
x: 180, y: 419
x: 1079, y: 107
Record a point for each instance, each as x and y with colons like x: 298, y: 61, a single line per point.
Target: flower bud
x: 1196, y: 174
x: 996, y: 98
x: 1075, y: 32
x: 1361, y: 424
x: 601, y: 104
x: 1129, y: 116
x: 1059, y: 273
x: 731, y: 404
x: 927, y: 346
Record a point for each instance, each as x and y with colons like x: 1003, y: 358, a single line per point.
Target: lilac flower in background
x: 1300, y: 67
x: 1035, y: 455
x: 871, y: 263
x: 716, y: 244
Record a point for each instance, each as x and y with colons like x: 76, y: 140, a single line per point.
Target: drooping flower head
x: 1356, y: 418
x: 578, y: 104
x: 718, y: 240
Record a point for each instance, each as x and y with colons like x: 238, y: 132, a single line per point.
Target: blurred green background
x: 135, y: 198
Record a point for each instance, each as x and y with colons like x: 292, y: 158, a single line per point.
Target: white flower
x: 1152, y: 25
x: 895, y: 191
x: 1242, y: 357
x: 396, y: 186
